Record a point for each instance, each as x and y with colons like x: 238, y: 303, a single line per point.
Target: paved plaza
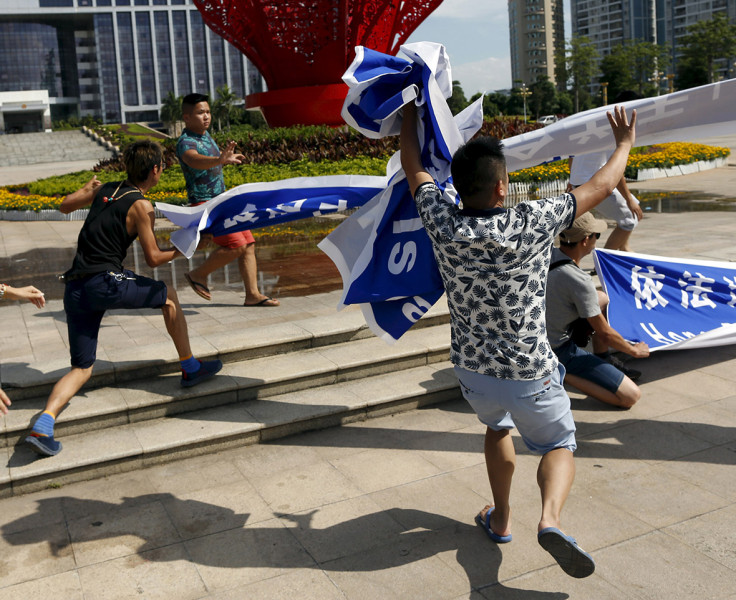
x: 384, y: 508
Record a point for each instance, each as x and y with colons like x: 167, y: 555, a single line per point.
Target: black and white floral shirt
x: 494, y: 266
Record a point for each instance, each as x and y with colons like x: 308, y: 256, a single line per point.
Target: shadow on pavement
x: 374, y: 542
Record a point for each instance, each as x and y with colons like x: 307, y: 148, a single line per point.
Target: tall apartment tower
x: 537, y: 30
x: 611, y: 23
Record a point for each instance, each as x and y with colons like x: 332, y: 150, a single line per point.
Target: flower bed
x: 47, y: 194
x: 660, y: 156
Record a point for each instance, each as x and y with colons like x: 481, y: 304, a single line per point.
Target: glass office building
x: 115, y: 59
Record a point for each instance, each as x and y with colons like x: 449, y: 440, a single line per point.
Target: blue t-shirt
x: 494, y: 266
x: 202, y: 184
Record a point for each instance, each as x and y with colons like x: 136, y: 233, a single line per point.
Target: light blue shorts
x: 540, y: 409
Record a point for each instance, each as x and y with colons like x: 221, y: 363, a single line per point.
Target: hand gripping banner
x: 669, y: 303
x: 254, y: 205
x: 382, y: 252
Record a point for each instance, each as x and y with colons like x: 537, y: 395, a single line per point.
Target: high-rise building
x: 115, y: 59
x: 537, y: 31
x: 611, y: 23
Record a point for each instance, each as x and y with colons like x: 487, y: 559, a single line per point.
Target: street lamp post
x: 604, y: 91
x: 524, y: 93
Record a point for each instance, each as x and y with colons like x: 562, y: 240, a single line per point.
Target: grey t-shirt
x: 571, y: 294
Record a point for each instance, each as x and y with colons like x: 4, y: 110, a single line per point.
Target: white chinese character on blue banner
x: 669, y: 303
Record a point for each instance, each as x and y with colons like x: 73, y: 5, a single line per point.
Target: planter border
x: 541, y: 189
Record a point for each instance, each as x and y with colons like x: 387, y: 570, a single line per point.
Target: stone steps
x: 149, y: 419
x: 57, y: 146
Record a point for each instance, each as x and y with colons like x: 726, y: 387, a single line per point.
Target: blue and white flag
x: 669, y: 303
x: 383, y: 253
x: 254, y: 205
x: 693, y: 114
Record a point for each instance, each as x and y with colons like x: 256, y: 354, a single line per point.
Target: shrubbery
x: 275, y: 154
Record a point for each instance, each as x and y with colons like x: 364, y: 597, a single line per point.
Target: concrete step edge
x: 120, y: 404
x: 136, y: 445
x: 299, y: 335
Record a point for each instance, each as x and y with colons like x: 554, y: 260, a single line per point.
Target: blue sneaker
x: 207, y: 368
x: 45, y: 446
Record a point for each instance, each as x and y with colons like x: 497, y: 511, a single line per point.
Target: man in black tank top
x: 119, y: 212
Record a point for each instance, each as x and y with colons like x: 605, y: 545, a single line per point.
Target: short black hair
x: 189, y: 101
x: 477, y: 166
x: 140, y: 158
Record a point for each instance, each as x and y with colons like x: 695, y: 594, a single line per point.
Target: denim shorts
x: 539, y: 409
x: 585, y: 365
x: 86, y: 300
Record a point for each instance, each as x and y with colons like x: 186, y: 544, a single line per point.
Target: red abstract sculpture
x: 302, y: 47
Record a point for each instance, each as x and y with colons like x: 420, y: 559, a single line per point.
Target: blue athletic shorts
x: 86, y: 300
x: 588, y: 366
x: 539, y: 409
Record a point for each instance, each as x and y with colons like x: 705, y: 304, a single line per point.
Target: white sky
x: 476, y: 35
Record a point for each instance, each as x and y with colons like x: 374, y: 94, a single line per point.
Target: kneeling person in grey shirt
x: 574, y: 302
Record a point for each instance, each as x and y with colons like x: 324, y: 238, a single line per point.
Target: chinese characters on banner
x: 669, y: 303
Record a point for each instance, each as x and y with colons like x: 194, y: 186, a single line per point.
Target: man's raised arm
x: 602, y: 184
x: 411, y: 154
x: 81, y: 198
x: 143, y: 217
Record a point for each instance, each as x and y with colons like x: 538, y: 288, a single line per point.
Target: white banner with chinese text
x: 669, y: 303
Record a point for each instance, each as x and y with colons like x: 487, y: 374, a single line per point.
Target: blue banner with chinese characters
x: 669, y: 303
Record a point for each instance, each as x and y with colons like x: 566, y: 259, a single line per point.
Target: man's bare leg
x: 65, y: 389
x: 555, y: 475
x: 176, y: 324
x: 619, y: 240
x: 217, y: 259
x: 627, y: 394
x: 500, y: 464
x: 249, y: 273
x: 41, y: 439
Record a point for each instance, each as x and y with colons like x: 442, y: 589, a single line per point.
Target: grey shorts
x: 539, y: 409
x: 615, y: 208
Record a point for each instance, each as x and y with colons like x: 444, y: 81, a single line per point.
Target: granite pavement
x: 384, y: 508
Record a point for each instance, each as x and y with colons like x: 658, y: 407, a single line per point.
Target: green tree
x: 171, y: 110
x: 457, y: 102
x: 543, y: 98
x: 690, y: 73
x: 561, y: 73
x: 223, y: 106
x: 632, y: 67
x: 515, y: 102
x: 563, y: 104
x: 578, y: 65
x: 494, y: 104
x: 708, y: 45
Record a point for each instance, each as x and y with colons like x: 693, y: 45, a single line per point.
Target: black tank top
x: 104, y: 240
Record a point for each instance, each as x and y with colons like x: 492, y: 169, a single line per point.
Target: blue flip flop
x: 486, y: 525
x: 575, y: 561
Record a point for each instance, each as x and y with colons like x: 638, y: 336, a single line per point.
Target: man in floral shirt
x: 494, y: 264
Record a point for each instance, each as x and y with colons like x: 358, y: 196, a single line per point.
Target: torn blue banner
x: 669, y: 303
x: 254, y: 205
x: 387, y: 266
x: 383, y: 252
